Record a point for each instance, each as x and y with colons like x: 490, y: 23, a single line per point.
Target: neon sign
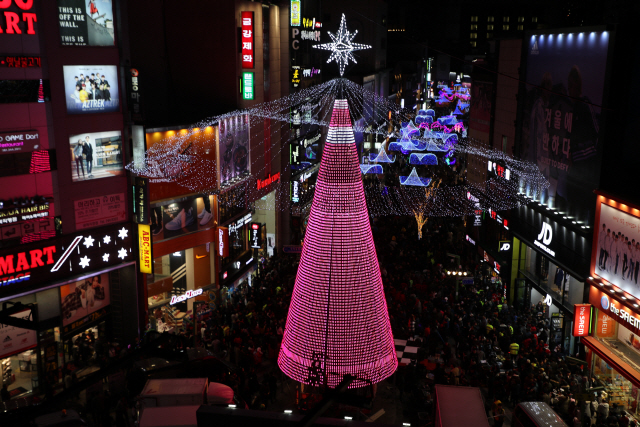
x: 190, y: 294
x: 12, y: 19
x: 262, y: 183
x: 247, y: 39
x: 247, y: 85
x: 544, y: 238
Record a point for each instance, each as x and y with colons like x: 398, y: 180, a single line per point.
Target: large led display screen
x: 96, y: 155
x: 561, y: 126
x: 86, y: 23
x: 91, y: 89
x: 234, y: 156
x: 617, y: 248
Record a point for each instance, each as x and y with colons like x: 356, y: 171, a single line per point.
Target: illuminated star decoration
x: 105, y: 257
x: 341, y: 47
x: 107, y: 239
x: 84, y: 262
x: 88, y: 241
x: 123, y: 233
x: 122, y: 253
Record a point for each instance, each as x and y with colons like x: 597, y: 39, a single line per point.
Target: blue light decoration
x: 406, y: 144
x: 382, y: 157
x: 426, y: 159
x: 423, y: 117
x: 450, y: 161
x: 450, y: 141
x: 414, y: 180
x: 432, y: 146
x: 448, y: 120
x: 461, y: 108
x: 371, y: 169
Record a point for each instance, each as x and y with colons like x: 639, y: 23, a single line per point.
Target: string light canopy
x: 338, y: 322
x: 187, y: 157
x: 342, y: 46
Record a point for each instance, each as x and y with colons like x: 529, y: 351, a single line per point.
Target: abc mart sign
x: 619, y: 311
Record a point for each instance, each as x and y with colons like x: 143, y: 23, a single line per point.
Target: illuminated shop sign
x: 189, y: 294
x: 263, y: 183
x: 247, y: 40
x: 310, y: 72
x: 20, y: 61
x: 247, y: 85
x: 544, y: 239
x: 504, y: 245
x: 19, y: 21
x: 223, y: 242
x: 19, y: 141
x: 307, y: 141
x: 134, y: 97
x: 295, y: 13
x: 496, y: 267
x: 295, y: 77
x: 27, y: 266
x: 233, y: 227
x: 144, y: 248
x: 295, y: 191
x: 256, y: 237
x: 24, y: 213
x: 581, y: 319
x: 311, y: 23
x: 470, y: 240
x: 548, y: 300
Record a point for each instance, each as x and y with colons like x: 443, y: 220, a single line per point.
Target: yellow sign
x: 144, y: 247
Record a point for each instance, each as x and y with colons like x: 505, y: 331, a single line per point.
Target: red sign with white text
x: 581, y: 319
x: 247, y: 40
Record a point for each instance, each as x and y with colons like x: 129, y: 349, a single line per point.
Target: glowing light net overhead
x: 338, y: 321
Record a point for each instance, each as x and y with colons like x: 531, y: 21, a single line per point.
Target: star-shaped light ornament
x: 88, y: 241
x: 342, y: 47
x: 105, y: 257
x: 122, y: 253
x: 123, y: 233
x: 106, y: 239
x: 84, y: 262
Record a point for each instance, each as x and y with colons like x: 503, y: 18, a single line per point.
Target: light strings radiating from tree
x: 338, y: 321
x: 186, y: 158
x: 342, y: 46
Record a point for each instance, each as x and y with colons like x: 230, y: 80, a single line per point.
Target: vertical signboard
x: 295, y: 13
x: 256, y: 235
x: 247, y: 85
x: 223, y: 242
x: 134, y: 95
x: 581, y: 319
x: 144, y: 248
x: 141, y: 200
x: 247, y: 40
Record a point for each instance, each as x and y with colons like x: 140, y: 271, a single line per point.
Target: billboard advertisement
x: 16, y: 340
x: 84, y: 297
x: 233, y: 149
x: 617, y: 246
x: 562, y: 115
x: 86, y: 23
x: 91, y: 89
x: 96, y: 155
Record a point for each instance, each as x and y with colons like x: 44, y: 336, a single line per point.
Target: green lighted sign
x: 247, y: 85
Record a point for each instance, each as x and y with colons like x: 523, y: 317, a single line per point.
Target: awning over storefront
x: 612, y: 359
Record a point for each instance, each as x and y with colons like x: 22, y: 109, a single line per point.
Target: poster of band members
x: 234, y: 156
x: 561, y: 120
x: 86, y: 22
x: 618, y: 250
x: 91, y: 89
x: 84, y: 297
x: 96, y: 155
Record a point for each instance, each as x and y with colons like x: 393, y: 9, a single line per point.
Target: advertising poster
x: 629, y: 338
x: 91, y: 89
x: 96, y: 155
x: 16, y: 340
x: 618, y: 249
x: 561, y: 120
x: 480, y: 109
x: 84, y: 297
x: 235, y: 159
x: 99, y: 211
x: 86, y: 22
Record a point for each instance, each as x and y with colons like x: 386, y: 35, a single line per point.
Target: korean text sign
x: 247, y: 40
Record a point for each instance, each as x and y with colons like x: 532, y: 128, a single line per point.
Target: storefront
x: 613, y: 344
x: 55, y: 309
x: 183, y: 258
x: 551, y: 262
x: 237, y: 258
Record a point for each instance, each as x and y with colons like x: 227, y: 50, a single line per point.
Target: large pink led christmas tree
x: 338, y: 322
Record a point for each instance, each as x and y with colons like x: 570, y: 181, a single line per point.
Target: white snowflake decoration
x: 342, y: 47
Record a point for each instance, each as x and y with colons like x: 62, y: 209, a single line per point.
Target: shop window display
x: 622, y: 341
